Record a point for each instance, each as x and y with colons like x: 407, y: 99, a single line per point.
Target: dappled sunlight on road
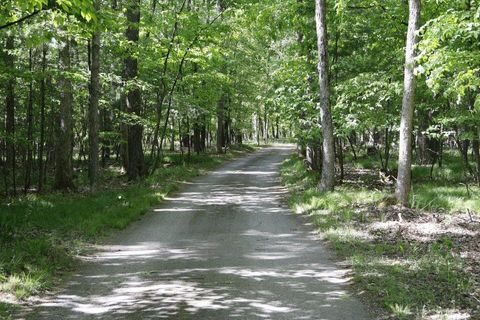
x: 224, y: 248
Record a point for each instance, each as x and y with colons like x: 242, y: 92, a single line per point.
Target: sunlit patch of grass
x: 41, y: 234
x: 453, y: 197
x: 399, y: 311
x: 23, y: 285
x: 311, y: 199
x: 408, y: 278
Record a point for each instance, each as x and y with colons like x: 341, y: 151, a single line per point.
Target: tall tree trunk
x: 424, y: 154
x: 156, y: 132
x: 172, y: 139
x: 197, y: 146
x: 327, y: 180
x: 404, y: 178
x: 133, y: 101
x: 10, y: 162
x: 41, y: 143
x: 64, y: 126
x: 220, y: 7
x: 476, y: 153
x: 93, y: 117
x: 277, y: 125
x: 350, y: 141
x: 341, y: 159
x: 387, y: 148
x: 29, y: 160
x: 265, y: 126
x: 220, y: 124
x: 187, y: 136
x: 203, y: 135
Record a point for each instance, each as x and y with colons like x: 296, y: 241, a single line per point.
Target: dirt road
x: 225, y: 247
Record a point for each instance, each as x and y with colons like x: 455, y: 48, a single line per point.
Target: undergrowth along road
x: 414, y: 263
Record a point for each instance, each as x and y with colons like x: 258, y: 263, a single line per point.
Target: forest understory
x: 415, y: 263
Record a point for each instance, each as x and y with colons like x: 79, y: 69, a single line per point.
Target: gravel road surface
x: 224, y: 247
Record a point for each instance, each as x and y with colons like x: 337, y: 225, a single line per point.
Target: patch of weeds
x: 23, y: 285
x: 399, y: 311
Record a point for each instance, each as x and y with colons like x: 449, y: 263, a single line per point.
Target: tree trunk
x: 187, y: 137
x: 197, y: 146
x: 220, y: 124
x: 203, y: 135
x: 424, y: 153
x: 277, y: 125
x: 220, y: 7
x: 41, y: 143
x: 387, y: 148
x: 10, y: 162
x: 327, y: 180
x: 29, y: 160
x: 350, y: 141
x: 93, y: 117
x: 172, y: 139
x: 133, y: 101
x: 341, y: 159
x: 265, y: 126
x: 476, y: 153
x: 404, y: 178
x: 64, y: 126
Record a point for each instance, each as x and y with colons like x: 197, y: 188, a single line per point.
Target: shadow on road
x: 223, y: 248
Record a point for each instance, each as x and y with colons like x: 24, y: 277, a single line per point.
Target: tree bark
x: 404, y: 178
x: 133, y: 101
x: 93, y: 116
x: 327, y: 180
x: 64, y: 126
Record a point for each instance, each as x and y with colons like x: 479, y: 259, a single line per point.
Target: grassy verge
x: 41, y: 234
x: 412, y: 266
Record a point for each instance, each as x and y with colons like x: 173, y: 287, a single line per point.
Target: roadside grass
x: 41, y: 234
x: 410, y: 279
x: 5, y: 310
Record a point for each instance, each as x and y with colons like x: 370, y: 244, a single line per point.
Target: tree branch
x: 20, y: 20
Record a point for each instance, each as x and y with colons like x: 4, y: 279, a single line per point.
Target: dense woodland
x: 102, y: 88
x: 94, y: 84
